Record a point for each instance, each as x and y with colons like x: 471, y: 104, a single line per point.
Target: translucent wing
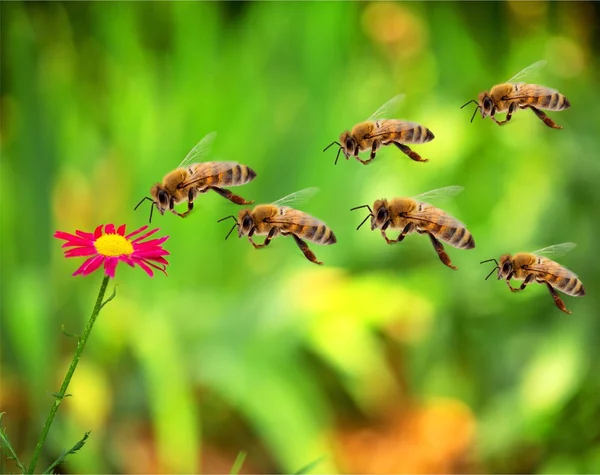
x: 555, y: 251
x: 529, y: 70
x: 294, y: 216
x: 297, y: 197
x: 205, y: 170
x: 392, y: 126
x: 529, y: 90
x: 199, y: 151
x: 439, y: 194
x: 548, y: 266
x: 388, y: 108
x: 431, y: 214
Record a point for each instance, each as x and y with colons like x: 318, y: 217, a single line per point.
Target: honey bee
x: 272, y: 220
x: 415, y: 215
x: 192, y: 178
x: 537, y: 266
x: 377, y: 131
x: 513, y: 94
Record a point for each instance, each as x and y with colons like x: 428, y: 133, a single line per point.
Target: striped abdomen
x: 552, y: 102
x: 540, y: 97
x: 458, y: 237
x: 319, y: 234
x: 222, y: 174
x: 416, y: 134
x: 236, y: 175
x: 565, y: 281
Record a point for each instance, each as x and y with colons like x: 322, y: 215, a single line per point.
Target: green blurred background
x: 382, y: 360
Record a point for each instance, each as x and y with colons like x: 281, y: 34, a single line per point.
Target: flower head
x: 113, y: 246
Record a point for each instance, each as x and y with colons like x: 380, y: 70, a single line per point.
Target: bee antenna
x: 337, y: 156
x: 362, y: 206
x: 332, y: 143
x: 143, y: 199
x: 472, y: 100
x: 475, y: 112
x: 494, y: 269
x: 233, y: 227
x: 364, y: 221
x: 227, y: 217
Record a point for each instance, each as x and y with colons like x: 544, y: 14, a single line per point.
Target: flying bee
x: 537, y: 266
x: 377, y: 131
x: 414, y: 214
x: 193, y: 177
x: 272, y: 220
x: 513, y: 94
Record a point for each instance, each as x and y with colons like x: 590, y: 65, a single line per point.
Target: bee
x: 377, y: 131
x: 272, y: 220
x: 537, y: 266
x: 411, y: 215
x: 513, y: 94
x: 193, y: 177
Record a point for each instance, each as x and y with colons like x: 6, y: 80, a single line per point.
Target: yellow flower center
x: 113, y: 245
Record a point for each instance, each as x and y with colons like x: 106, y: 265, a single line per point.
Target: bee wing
x: 297, y: 197
x: 555, y: 251
x: 548, y: 266
x: 205, y: 170
x: 530, y: 90
x: 201, y: 149
x: 431, y: 214
x: 387, y: 108
x: 529, y: 70
x: 392, y: 125
x: 439, y: 194
x: 294, y: 216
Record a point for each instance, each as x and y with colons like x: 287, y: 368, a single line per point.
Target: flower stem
x: 63, y: 389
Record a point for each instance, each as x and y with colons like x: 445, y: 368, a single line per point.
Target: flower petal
x: 85, y: 235
x: 143, y: 265
x: 121, y: 230
x: 130, y: 235
x: 151, y: 243
x: 90, y: 265
x: 98, y: 232
x: 150, y: 233
x: 163, y: 269
x: 81, y: 251
x: 109, y: 229
x: 110, y: 264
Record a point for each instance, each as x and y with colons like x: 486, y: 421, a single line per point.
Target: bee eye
x: 506, y: 267
x: 381, y: 214
x: 247, y: 222
x: 487, y: 103
x: 349, y: 143
x: 162, y: 197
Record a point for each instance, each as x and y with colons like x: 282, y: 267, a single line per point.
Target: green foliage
x: 261, y: 349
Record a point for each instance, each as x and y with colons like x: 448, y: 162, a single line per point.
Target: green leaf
x: 310, y: 466
x: 111, y: 296
x: 237, y: 465
x: 63, y: 457
x: 7, y: 448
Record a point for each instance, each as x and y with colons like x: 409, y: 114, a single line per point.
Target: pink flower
x: 112, y: 246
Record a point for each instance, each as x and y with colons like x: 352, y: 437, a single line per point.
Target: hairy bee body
x: 544, y: 270
x: 272, y: 220
x: 427, y: 218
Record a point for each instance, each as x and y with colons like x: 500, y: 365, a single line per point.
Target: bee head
x: 505, y: 267
x: 348, y: 144
x: 485, y: 104
x: 380, y: 214
x: 245, y: 223
x: 160, y: 197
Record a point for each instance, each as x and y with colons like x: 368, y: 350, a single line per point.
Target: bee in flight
x: 193, y: 177
x: 377, y: 131
x: 272, y: 220
x: 538, y: 267
x: 414, y: 214
x: 514, y: 94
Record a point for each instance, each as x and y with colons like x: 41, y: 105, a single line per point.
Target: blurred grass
x: 380, y: 350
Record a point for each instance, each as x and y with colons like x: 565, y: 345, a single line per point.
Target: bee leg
x: 238, y: 200
x: 439, y: 248
x: 190, y: 204
x: 557, y: 300
x: 400, y: 237
x: 270, y: 236
x: 509, y: 114
x: 305, y: 250
x: 413, y: 155
x: 374, y: 148
x: 527, y: 281
x: 543, y: 117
